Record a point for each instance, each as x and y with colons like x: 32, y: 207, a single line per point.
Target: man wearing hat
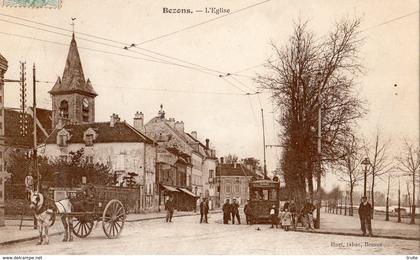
x: 365, y: 214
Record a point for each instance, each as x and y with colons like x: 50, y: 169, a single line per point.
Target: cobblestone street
x: 185, y: 235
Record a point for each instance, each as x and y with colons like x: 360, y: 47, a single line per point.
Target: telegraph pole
x: 35, y: 158
x: 265, y: 164
x: 318, y: 183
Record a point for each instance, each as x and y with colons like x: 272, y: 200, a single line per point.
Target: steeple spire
x: 73, y: 79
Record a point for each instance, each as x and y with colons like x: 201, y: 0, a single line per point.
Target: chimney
x: 234, y: 164
x: 114, y: 119
x: 207, y: 143
x: 139, y: 121
x: 171, y: 122
x: 194, y: 134
x: 179, y: 126
x: 222, y: 160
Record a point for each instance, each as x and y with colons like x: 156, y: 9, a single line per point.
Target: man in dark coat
x: 248, y: 213
x: 235, y: 212
x: 292, y: 210
x: 226, y: 212
x: 365, y: 214
x: 169, y: 209
x: 204, y: 210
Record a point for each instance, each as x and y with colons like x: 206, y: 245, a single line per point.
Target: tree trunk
x: 413, y: 210
x: 351, y: 200
x: 387, y: 201
x: 372, y: 194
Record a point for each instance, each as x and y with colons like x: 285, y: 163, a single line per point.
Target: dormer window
x: 89, y: 140
x: 89, y: 137
x: 62, y: 140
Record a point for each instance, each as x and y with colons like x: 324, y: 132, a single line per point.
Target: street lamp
x: 365, y: 162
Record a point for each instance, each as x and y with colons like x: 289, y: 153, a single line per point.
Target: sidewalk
x: 11, y: 234
x: 350, y: 225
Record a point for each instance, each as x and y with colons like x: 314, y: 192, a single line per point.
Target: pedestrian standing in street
x: 292, y: 210
x: 204, y: 210
x: 248, y: 213
x: 29, y: 184
x: 286, y: 219
x: 169, y: 209
x: 235, y: 212
x: 201, y: 210
x: 365, y: 214
x: 273, y: 216
x: 226, y: 212
x: 308, y: 210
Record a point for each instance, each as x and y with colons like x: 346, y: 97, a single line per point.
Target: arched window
x: 64, y: 109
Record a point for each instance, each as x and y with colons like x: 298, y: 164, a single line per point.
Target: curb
x: 355, y: 235
x: 6, y: 243
x: 28, y: 239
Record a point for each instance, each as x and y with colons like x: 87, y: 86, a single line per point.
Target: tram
x: 263, y: 194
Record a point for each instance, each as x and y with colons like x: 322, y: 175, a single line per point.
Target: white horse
x: 45, y: 214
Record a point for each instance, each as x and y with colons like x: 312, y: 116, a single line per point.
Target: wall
x: 234, y: 187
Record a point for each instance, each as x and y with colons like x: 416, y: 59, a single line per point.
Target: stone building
x: 233, y: 180
x: 124, y: 148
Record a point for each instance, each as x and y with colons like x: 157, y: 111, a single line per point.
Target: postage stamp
x: 32, y: 3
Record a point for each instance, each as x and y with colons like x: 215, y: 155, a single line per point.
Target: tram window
x: 265, y: 193
x: 273, y: 194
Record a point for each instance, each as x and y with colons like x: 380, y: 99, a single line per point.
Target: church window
x: 64, y: 109
x: 85, y: 110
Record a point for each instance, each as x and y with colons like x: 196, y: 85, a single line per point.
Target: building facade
x: 233, y: 180
x: 124, y: 148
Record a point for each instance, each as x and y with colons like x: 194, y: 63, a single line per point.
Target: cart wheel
x: 113, y: 218
x: 82, y: 226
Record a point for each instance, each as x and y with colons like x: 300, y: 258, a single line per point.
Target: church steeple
x: 73, y: 78
x: 73, y: 96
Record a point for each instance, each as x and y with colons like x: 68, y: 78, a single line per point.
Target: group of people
x: 289, y: 216
x: 231, y: 211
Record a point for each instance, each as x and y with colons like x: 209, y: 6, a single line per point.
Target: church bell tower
x: 73, y: 97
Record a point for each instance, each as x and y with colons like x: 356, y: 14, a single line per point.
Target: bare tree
x: 348, y: 166
x: 380, y: 163
x: 309, y: 75
x: 231, y: 158
x: 409, y: 163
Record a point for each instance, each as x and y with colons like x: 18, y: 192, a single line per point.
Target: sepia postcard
x: 211, y: 127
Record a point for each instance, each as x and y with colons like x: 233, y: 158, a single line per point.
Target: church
x: 116, y: 143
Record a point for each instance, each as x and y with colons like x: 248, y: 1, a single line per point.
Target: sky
x: 216, y: 107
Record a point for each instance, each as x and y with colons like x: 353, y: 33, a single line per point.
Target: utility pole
x: 35, y: 157
x: 318, y: 183
x: 265, y: 163
x: 387, y: 201
x: 399, y: 201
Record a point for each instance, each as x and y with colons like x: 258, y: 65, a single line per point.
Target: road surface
x: 185, y: 235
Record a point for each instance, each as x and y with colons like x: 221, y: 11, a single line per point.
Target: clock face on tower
x: 85, y: 104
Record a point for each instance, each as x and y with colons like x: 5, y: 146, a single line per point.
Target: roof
x: 230, y: 170
x: 3, y: 62
x: 73, y: 78
x: 12, y: 127
x: 121, y: 132
x: 206, y: 151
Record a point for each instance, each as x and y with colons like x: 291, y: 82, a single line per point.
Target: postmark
x: 32, y: 3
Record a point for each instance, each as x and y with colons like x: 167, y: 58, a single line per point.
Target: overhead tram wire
x: 105, y: 52
x: 204, y: 22
x: 121, y: 45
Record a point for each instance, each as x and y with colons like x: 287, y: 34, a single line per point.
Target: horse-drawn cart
x: 94, y: 203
